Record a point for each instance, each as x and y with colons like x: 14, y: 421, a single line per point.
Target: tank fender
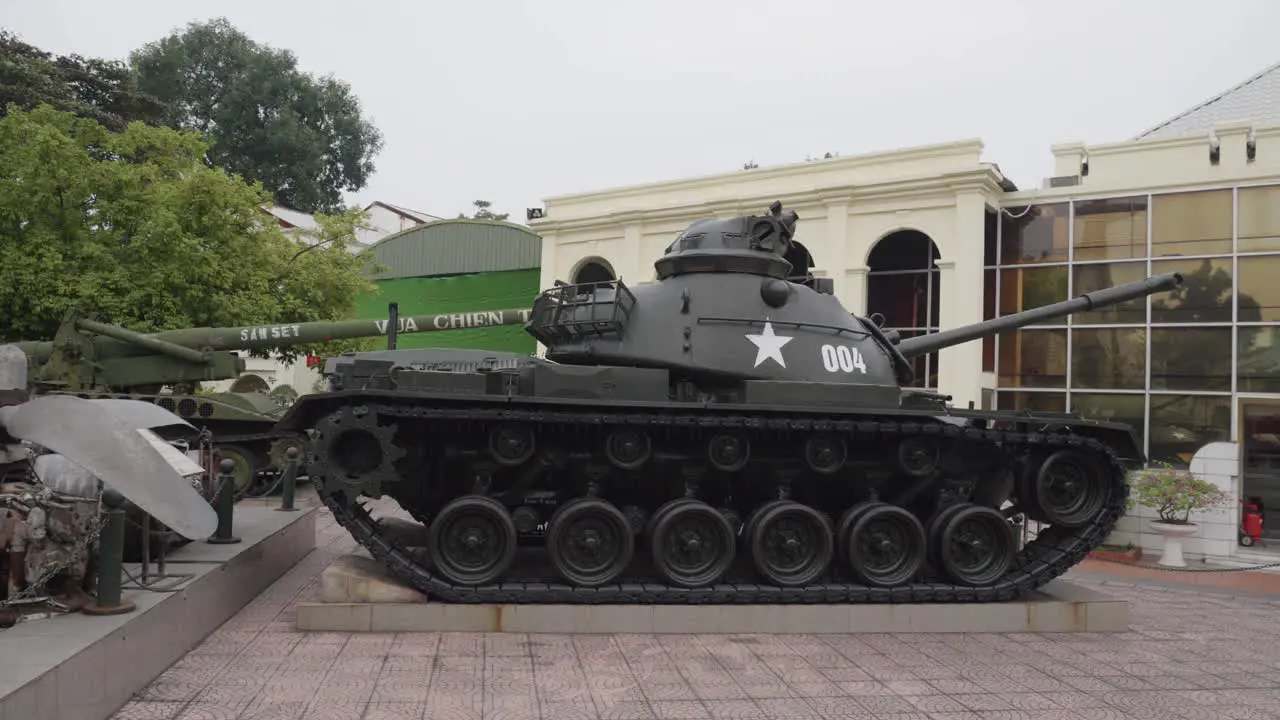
x: 595, y: 382
x: 1120, y: 438
x: 307, y: 410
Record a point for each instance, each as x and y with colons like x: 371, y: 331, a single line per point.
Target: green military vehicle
x: 90, y: 358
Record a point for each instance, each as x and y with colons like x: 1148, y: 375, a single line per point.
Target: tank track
x: 1053, y: 552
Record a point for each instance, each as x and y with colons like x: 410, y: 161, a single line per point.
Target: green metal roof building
x: 457, y: 265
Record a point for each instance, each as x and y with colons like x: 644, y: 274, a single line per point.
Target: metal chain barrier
x: 265, y: 493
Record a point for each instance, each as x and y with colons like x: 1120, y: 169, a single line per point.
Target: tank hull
x: 432, y: 449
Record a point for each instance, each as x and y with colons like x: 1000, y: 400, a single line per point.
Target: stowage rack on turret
x: 728, y: 434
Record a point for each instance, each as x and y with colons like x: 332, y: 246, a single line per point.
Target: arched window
x: 593, y: 270
x: 903, y: 287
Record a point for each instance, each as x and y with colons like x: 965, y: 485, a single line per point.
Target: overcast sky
x: 516, y: 101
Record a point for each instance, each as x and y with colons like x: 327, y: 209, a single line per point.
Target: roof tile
x: 1256, y: 99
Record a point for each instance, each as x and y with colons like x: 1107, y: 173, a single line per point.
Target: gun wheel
x: 244, y: 469
x: 279, y: 448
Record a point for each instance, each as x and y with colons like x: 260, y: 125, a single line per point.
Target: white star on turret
x: 768, y: 345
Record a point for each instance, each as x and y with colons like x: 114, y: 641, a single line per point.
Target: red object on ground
x: 1251, y: 522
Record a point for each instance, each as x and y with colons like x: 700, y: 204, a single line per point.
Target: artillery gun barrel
x: 188, y: 344
x: 912, y: 347
x: 147, y: 341
x: 252, y: 337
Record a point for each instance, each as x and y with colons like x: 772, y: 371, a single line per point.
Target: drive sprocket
x: 357, y: 453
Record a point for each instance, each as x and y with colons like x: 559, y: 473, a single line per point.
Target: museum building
x: 900, y: 231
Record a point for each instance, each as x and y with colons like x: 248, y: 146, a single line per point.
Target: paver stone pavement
x: 1204, y: 653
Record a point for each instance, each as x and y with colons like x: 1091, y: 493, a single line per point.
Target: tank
x: 728, y: 434
x: 95, y: 359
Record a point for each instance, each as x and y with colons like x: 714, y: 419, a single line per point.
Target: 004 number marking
x: 842, y: 358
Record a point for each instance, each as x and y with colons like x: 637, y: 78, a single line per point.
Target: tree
x: 321, y: 279
x: 136, y: 227
x: 302, y: 137
x: 103, y: 90
x: 284, y: 394
x: 483, y: 212
x: 1205, y: 296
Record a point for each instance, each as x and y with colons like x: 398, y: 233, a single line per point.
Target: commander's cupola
x: 756, y: 244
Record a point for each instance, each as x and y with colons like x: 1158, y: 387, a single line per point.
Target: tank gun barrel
x: 912, y: 347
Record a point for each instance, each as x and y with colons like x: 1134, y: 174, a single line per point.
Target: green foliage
x: 323, y: 273
x: 1205, y: 293
x: 302, y: 137
x: 101, y: 90
x: 483, y: 212
x: 319, y: 272
x: 1173, y: 493
x: 136, y: 227
x: 283, y: 394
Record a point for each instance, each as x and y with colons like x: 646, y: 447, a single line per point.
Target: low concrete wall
x: 77, y: 667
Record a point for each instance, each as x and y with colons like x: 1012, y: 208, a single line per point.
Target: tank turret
x: 727, y: 434
x: 723, y: 310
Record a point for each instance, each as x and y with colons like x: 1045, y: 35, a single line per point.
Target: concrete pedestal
x: 359, y: 596
x: 360, y: 579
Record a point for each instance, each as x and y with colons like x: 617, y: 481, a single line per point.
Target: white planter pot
x: 1171, y: 556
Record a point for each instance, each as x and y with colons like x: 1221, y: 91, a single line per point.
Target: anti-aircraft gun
x: 90, y: 358
x: 724, y: 435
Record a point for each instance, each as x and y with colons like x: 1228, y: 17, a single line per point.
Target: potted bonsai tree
x: 1174, y: 494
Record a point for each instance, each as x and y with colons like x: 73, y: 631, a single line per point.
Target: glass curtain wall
x: 1169, y: 365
